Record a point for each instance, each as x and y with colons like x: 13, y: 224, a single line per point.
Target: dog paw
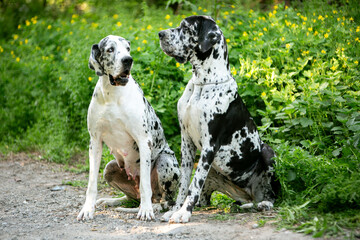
x: 167, y: 215
x: 87, y: 212
x: 146, y: 214
x: 181, y: 216
x: 265, y: 206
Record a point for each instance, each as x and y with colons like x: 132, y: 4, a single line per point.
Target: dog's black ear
x: 209, y: 34
x: 94, y: 63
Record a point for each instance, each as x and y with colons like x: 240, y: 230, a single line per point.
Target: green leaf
x: 305, y: 122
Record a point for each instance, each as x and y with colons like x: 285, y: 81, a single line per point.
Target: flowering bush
x: 297, y: 70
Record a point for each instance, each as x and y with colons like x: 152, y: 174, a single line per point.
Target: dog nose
x: 161, y: 34
x: 127, y: 61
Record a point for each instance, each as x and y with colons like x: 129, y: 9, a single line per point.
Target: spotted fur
x: 120, y: 116
x: 214, y: 119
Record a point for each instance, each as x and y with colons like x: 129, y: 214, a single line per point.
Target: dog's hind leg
x: 168, y: 177
x: 117, y: 178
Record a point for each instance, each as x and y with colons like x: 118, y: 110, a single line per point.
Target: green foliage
x: 297, y: 69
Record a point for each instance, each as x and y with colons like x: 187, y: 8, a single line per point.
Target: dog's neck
x: 105, y: 92
x: 211, y: 67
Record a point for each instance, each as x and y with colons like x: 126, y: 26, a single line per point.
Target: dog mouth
x: 120, y: 80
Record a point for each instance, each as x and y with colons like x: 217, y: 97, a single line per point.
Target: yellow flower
x: 282, y: 39
x: 94, y: 25
x: 170, y: 24
x: 18, y: 59
x: 276, y: 7
x: 333, y: 68
x: 151, y: 72
x: 49, y: 27
x: 233, y: 71
x: 115, y: 16
x: 316, y: 33
x: 19, y: 26
x: 72, y: 21
x: 167, y: 17
x: 89, y: 78
x: 326, y: 35
x: 177, y: 64
x: 286, y: 7
x: 205, y: 10
x: 260, y: 34
x: 351, y: 19
x: 144, y: 41
x: 69, y: 51
x: 199, y: 8
x: 310, y: 29
x: 263, y: 94
x: 298, y: 59
x: 288, y: 45
x: 240, y: 23
x: 323, y: 51
x: 119, y: 24
x: 60, y: 78
x: 1, y: 49
x: 231, y: 28
x: 270, y: 14
x: 265, y: 29
x: 245, y: 34
x: 227, y: 40
x: 16, y: 36
x: 74, y: 16
x: 138, y: 49
x: 149, y: 27
x: 26, y: 41
x: 356, y: 62
x: 20, y: 42
x: 27, y: 23
x: 226, y: 13
x: 254, y: 62
x: 70, y: 33
x: 232, y: 6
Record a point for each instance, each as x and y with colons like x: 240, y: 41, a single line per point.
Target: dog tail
x: 127, y: 210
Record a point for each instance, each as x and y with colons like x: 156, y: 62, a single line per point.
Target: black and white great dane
x: 120, y: 116
x: 214, y: 119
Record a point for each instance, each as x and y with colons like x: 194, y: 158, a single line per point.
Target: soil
x: 35, y: 204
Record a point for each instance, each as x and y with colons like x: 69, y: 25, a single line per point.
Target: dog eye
x: 128, y: 49
x: 110, y: 50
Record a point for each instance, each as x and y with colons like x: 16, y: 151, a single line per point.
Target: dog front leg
x: 188, y: 151
x: 95, y: 152
x: 146, y: 211
x: 203, y: 168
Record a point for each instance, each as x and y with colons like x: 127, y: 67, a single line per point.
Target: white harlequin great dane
x: 214, y: 120
x: 119, y: 115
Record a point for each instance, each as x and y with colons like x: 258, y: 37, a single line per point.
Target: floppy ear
x: 94, y: 60
x: 209, y: 35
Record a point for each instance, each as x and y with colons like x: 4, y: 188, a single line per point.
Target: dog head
x: 112, y: 57
x: 195, y: 36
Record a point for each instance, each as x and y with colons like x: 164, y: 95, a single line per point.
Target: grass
x: 297, y: 70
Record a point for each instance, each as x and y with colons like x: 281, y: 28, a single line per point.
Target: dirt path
x: 31, y: 209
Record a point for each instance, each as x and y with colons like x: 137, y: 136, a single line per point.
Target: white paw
x: 167, y: 215
x: 87, y: 212
x: 265, y: 206
x: 181, y: 216
x: 146, y: 213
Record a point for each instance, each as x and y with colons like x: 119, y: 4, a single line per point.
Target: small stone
x: 255, y: 226
x: 57, y: 188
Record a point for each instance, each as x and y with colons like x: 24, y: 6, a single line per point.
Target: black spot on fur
x: 215, y: 54
x: 223, y: 126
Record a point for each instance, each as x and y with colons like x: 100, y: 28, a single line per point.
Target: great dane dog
x: 214, y: 119
x: 120, y: 116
